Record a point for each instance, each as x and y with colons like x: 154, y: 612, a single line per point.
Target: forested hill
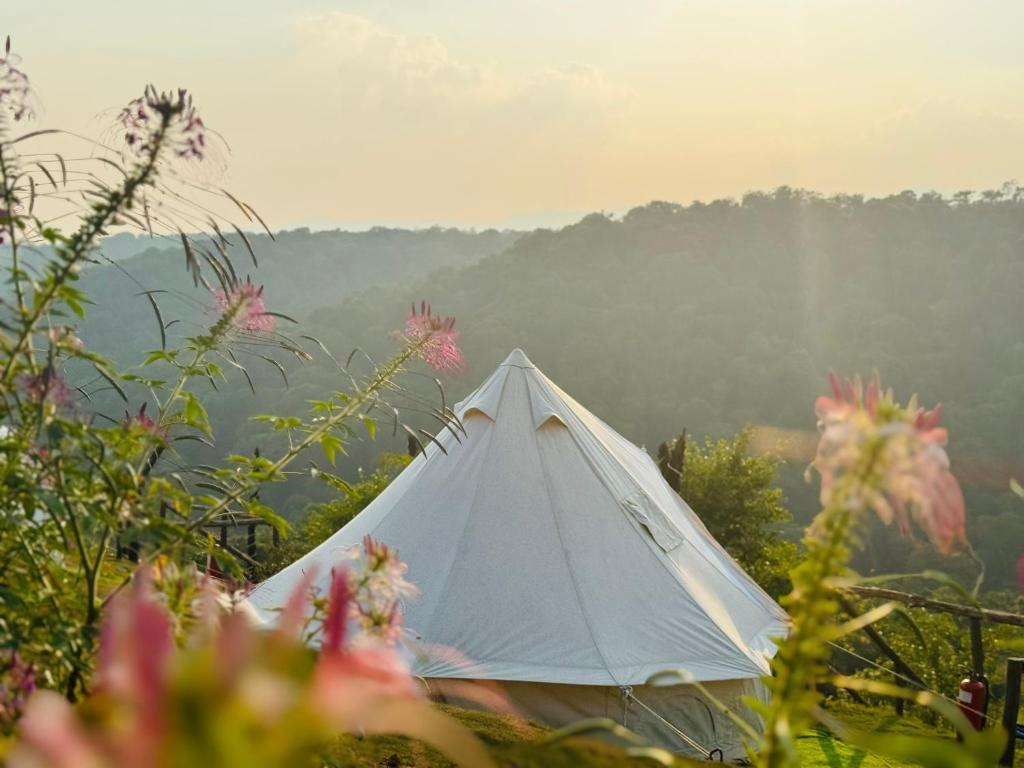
x: 714, y: 315
x: 300, y: 269
x: 708, y: 317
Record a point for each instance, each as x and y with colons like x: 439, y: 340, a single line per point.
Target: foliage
x: 72, y: 477
x: 234, y: 693
x: 320, y: 521
x: 874, y: 454
x: 819, y: 748
x: 734, y: 495
x: 936, y: 646
x: 721, y: 313
x: 713, y: 315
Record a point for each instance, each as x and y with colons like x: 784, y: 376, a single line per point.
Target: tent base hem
x: 655, y: 713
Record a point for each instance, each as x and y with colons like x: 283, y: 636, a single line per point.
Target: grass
x: 512, y: 743
x: 515, y: 744
x: 820, y: 749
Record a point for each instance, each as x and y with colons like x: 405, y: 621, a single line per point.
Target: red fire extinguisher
x: 973, y: 699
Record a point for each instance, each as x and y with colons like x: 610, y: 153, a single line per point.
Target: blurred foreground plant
x: 874, y: 454
x: 73, y: 477
x: 236, y: 694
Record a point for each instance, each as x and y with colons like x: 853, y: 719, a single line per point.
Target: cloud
x: 380, y: 73
x: 944, y: 144
x: 376, y: 69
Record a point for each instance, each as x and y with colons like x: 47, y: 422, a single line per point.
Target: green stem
x: 9, y: 203
x: 93, y: 610
x: 83, y: 241
x: 381, y: 378
x: 802, y: 655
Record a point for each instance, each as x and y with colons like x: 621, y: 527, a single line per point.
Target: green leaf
x: 262, y: 511
x: 875, y: 614
x: 979, y: 750
x: 331, y: 444
x: 195, y: 414
x: 158, y: 355
x: 159, y: 317
x: 371, y: 427
x: 334, y: 481
x: 102, y: 371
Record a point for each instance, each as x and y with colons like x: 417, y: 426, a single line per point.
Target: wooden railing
x: 975, y: 616
x: 223, y: 526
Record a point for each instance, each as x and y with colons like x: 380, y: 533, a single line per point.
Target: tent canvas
x: 553, y: 556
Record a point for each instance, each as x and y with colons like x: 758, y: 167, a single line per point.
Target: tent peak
x: 518, y: 359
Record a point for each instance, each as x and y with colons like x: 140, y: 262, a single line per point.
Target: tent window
x: 474, y: 410
x: 553, y: 420
x: 653, y: 520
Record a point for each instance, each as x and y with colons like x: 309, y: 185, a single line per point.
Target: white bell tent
x: 554, y: 558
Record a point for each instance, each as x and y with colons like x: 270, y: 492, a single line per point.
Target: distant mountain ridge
x: 710, y: 316
x: 300, y: 270
x: 706, y: 316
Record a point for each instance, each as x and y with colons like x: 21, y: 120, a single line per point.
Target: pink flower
x: 15, y: 91
x: 378, y: 588
x: 154, y: 703
x: 336, y: 623
x: 438, y: 339
x: 136, y: 649
x: 348, y: 679
x: 186, y: 133
x: 144, y: 423
x: 890, y: 458
x: 17, y: 682
x: 64, y: 336
x: 293, y: 616
x: 1020, y: 573
x: 244, y: 308
x: 46, y: 386
x: 52, y: 737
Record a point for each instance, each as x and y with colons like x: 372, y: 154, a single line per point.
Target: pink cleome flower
x: 142, y: 117
x: 377, y: 589
x: 16, y: 97
x: 144, y: 422
x: 138, y: 688
x: 893, y: 459
x: 1020, y: 573
x: 438, y: 336
x: 17, y: 682
x: 63, y: 336
x: 46, y: 386
x: 349, y: 678
x: 245, y: 304
x: 136, y: 653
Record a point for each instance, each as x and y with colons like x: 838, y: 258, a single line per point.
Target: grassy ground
x: 514, y: 744
x: 819, y: 749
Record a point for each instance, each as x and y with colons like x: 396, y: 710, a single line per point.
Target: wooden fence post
x: 1014, y: 669
x: 977, y: 649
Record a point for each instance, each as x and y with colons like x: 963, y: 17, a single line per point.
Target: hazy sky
x: 478, y: 112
